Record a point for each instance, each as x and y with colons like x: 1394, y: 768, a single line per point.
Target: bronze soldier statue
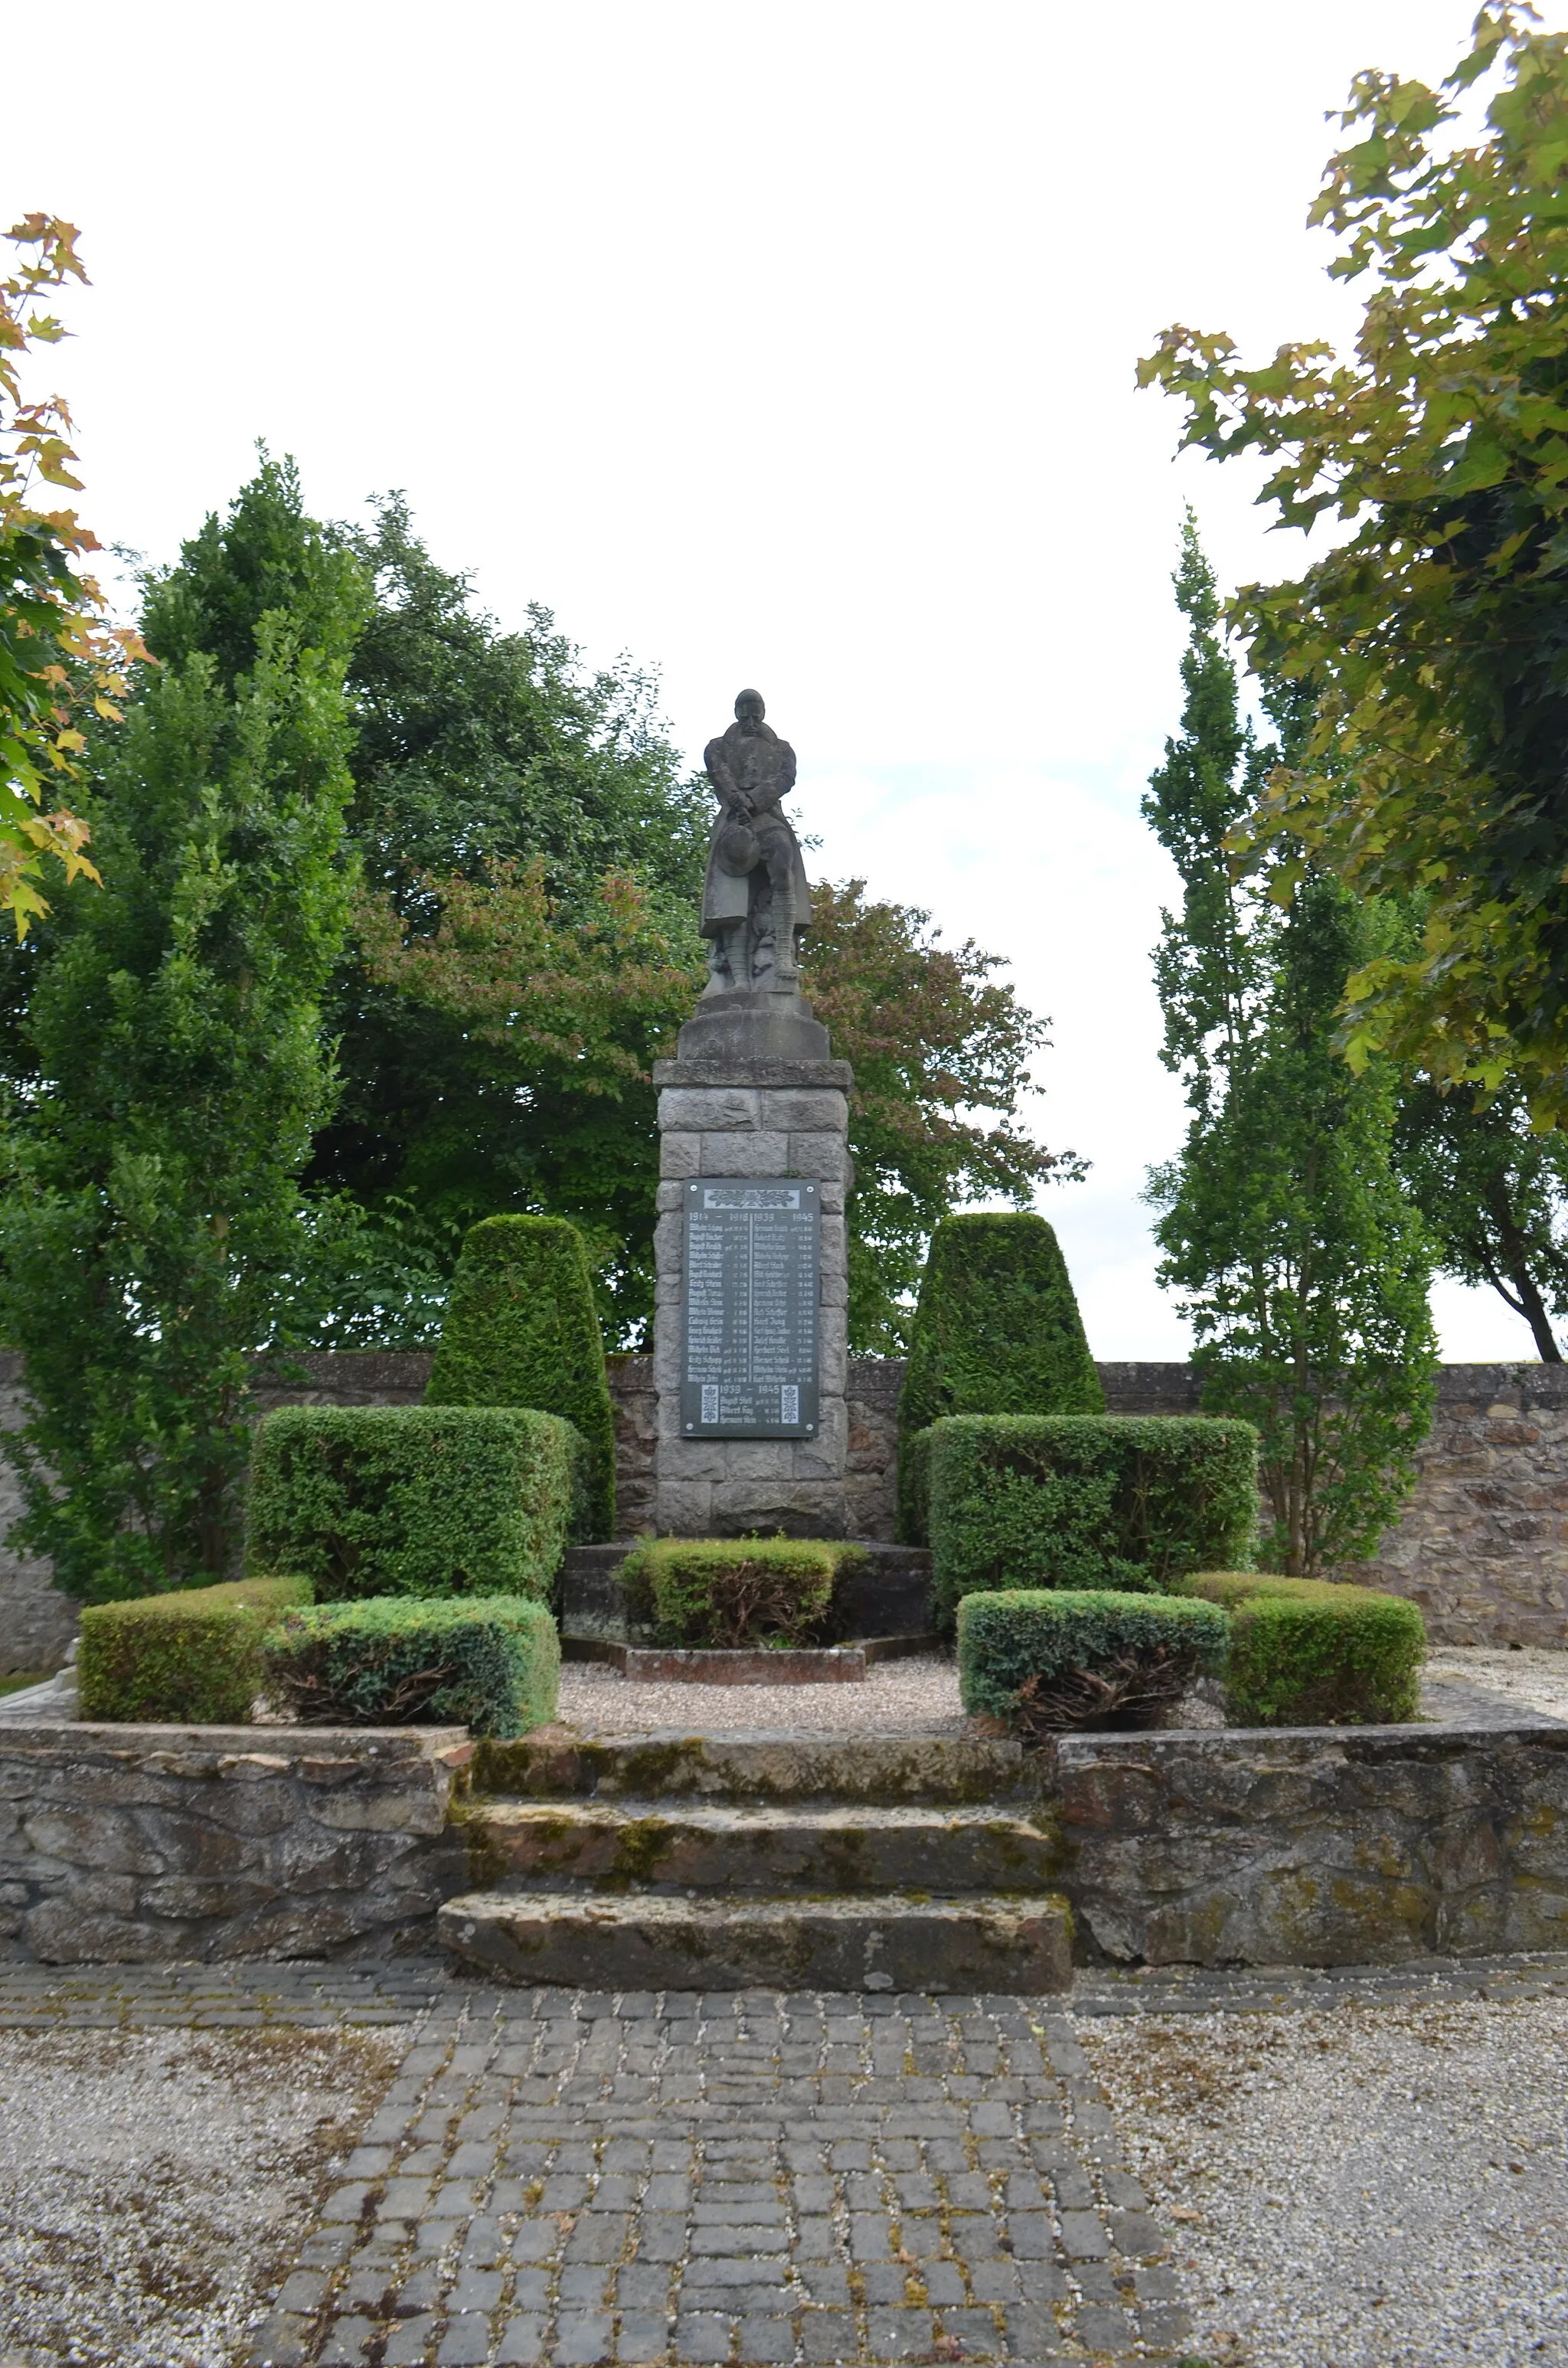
x: 756, y: 903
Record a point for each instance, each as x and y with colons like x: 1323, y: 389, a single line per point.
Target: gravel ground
x: 1534, y: 1675
x: 153, y: 2185
x: 918, y: 1696
x: 1379, y: 2186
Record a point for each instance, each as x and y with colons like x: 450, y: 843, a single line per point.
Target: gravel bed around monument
x: 153, y: 2185
x: 917, y: 1696
x: 1374, y: 2186
x: 1533, y: 1677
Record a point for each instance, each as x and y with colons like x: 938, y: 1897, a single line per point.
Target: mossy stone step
x: 753, y: 1764
x: 670, y: 1845
x: 643, y: 1941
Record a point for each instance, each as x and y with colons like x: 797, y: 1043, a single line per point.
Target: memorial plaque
x: 749, y: 1321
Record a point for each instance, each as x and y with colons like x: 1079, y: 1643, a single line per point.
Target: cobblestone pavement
x: 756, y: 2177
x: 564, y: 2178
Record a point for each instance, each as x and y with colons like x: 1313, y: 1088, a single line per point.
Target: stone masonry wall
x: 1481, y: 1547
x: 143, y: 1844
x: 1316, y: 1847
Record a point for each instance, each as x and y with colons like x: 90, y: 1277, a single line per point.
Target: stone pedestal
x: 734, y: 1112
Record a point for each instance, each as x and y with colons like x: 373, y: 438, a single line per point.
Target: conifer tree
x: 1300, y: 1261
x: 179, y: 1067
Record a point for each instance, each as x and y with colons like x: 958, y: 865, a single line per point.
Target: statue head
x: 749, y: 708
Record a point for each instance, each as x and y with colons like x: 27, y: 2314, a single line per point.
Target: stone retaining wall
x: 1309, y: 1846
x: 146, y: 1844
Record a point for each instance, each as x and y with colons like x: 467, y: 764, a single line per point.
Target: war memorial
x: 737, y: 2038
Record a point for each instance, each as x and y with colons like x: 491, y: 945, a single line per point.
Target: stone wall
x: 130, y: 1844
x: 1481, y: 1547
x: 1311, y: 1846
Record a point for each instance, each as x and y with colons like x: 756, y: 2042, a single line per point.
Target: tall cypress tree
x: 180, y: 1064
x: 1299, y: 1259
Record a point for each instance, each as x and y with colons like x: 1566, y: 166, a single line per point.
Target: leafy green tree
x: 59, y: 660
x: 490, y: 769
x: 178, y: 1069
x: 1436, y: 632
x: 1301, y: 1264
x: 1494, y: 1198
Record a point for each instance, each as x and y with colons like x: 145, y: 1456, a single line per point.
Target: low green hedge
x: 729, y: 1591
x: 1120, y: 1501
x: 191, y: 1658
x: 1309, y: 1652
x: 1100, y: 1654
x: 412, y: 1500
x: 489, y: 1663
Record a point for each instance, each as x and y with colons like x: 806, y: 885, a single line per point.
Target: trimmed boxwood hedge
x: 1007, y: 1639
x: 729, y: 1591
x: 489, y: 1663
x: 997, y: 1331
x: 1310, y: 1652
x: 1122, y: 1501
x: 412, y: 1500
x: 520, y: 1330
x: 192, y: 1657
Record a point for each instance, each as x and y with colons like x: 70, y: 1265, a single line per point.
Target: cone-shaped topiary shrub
x: 520, y: 1330
x: 997, y: 1331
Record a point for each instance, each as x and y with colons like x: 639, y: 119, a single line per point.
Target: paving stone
x: 899, y: 2334
x: 828, y: 2336
x: 1099, y: 2329
x: 522, y: 2343
x: 476, y: 2290
x: 583, y: 2337
x: 408, y: 2344
x: 1032, y: 2332
x: 702, y: 2337
x: 466, y: 2343
x: 645, y: 2335
x: 585, y: 2285
x: 346, y: 2343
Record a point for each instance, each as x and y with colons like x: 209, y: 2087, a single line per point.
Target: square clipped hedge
x: 730, y: 1591
x: 412, y: 1500
x: 1310, y: 1652
x: 489, y: 1663
x: 1084, y: 1501
x: 191, y: 1658
x: 1018, y: 1638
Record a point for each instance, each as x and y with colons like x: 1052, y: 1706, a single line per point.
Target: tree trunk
x: 1515, y: 1264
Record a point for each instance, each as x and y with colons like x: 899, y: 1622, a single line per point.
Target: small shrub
x: 489, y: 1663
x: 1047, y: 1660
x: 729, y: 1591
x: 412, y: 1500
x: 1120, y: 1501
x: 520, y: 1330
x: 1309, y: 1652
x: 190, y: 1658
x: 997, y: 1331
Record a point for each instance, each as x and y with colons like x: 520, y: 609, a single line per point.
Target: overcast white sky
x: 786, y: 342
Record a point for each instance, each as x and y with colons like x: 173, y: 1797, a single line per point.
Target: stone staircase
x: 786, y: 1860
